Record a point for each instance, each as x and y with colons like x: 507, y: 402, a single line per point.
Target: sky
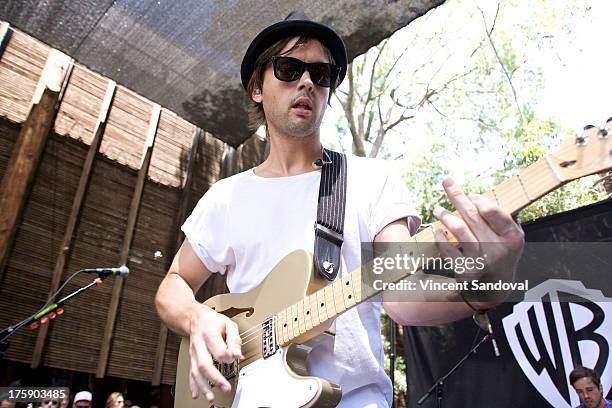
x: 578, y: 91
x: 576, y: 83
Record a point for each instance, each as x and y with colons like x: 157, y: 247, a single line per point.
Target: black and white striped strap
x: 329, y: 228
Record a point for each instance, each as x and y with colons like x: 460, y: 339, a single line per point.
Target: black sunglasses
x: 288, y: 69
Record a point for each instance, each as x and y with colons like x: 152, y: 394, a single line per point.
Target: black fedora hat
x: 295, y: 24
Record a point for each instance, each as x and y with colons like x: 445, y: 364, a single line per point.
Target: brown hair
x: 256, y: 114
x: 583, y: 372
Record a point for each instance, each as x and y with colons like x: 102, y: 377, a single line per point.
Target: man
x: 82, y: 399
x: 588, y: 387
x: 246, y: 223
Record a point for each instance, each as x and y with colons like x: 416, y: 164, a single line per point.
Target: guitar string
x: 527, y: 178
x: 257, y: 329
x: 252, y: 330
x: 538, y: 184
x: 252, y: 333
x: 307, y: 301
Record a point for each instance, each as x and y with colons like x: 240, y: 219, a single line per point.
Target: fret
x: 529, y: 198
x: 288, y: 321
x: 281, y: 326
x: 347, y: 291
x: 322, y: 305
x: 307, y: 314
x: 286, y: 326
x: 293, y: 323
x: 338, y: 298
x: 300, y: 315
x: 553, y: 169
x: 508, y: 192
x: 427, y: 235
x: 539, y: 179
x: 314, y: 310
x: 494, y: 197
x: 330, y: 305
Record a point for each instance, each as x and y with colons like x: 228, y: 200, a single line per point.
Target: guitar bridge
x: 268, y: 341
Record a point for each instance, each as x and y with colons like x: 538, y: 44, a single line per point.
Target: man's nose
x: 305, y: 81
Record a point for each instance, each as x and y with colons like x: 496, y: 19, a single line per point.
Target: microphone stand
x: 37, y: 318
x: 438, y: 386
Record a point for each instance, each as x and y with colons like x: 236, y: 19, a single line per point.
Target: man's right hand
x: 211, y: 336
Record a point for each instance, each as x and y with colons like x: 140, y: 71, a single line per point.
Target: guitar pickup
x: 268, y: 340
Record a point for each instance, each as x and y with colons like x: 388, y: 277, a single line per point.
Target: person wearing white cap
x: 82, y: 399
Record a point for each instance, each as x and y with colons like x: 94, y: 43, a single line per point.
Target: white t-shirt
x: 245, y: 224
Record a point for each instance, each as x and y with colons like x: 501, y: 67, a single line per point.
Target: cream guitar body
x: 271, y: 375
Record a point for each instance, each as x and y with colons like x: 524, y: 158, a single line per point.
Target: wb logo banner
x: 559, y: 325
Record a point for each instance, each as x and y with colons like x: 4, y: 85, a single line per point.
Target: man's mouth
x: 302, y: 105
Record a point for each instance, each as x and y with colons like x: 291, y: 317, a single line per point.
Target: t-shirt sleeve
x: 207, y: 231
x: 392, y: 202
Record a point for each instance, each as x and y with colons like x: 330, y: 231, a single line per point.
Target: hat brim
x: 293, y: 28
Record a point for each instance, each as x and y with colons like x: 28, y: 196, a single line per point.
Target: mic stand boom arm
x: 35, y: 319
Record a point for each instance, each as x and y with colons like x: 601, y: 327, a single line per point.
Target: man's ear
x: 256, y: 95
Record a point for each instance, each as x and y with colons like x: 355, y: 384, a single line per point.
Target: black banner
x: 566, y: 321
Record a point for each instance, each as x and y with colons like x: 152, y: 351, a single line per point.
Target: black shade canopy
x: 186, y: 54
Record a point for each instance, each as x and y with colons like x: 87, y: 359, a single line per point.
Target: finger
x: 193, y: 387
x: 447, y: 250
x: 204, y: 366
x: 462, y: 203
x: 197, y: 382
x: 233, y: 340
x: 217, y: 346
x: 455, y: 225
x: 199, y: 385
x: 500, y: 221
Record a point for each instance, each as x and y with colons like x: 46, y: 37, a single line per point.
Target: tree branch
x: 347, y: 106
x: 499, y: 60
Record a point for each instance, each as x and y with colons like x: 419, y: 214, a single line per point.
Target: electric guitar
x: 290, y: 308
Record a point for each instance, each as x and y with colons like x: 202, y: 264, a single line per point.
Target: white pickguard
x: 267, y: 383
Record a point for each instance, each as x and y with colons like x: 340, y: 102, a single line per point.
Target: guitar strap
x: 329, y: 228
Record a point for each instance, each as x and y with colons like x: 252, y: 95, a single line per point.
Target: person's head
x: 82, y: 399
x: 285, y: 94
x: 588, y: 387
x: 7, y: 404
x: 115, y: 400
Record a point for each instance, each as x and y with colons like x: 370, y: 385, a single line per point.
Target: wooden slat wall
x: 81, y: 104
x: 126, y: 130
x: 20, y: 69
x: 28, y: 274
x: 74, y: 339
x: 172, y: 147
x: 78, y: 334
x: 154, y: 232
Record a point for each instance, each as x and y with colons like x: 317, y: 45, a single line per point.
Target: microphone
x: 123, y: 271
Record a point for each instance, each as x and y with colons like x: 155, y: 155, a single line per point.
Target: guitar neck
x: 571, y: 162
